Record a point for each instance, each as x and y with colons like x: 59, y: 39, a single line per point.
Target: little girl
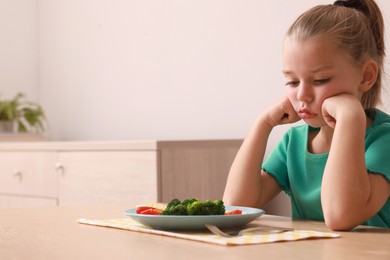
x: 336, y: 167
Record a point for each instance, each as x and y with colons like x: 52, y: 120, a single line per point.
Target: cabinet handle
x: 59, y: 167
x: 18, y: 174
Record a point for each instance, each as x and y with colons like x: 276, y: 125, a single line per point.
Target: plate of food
x: 192, y: 214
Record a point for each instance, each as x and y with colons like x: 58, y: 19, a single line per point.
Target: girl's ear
x: 370, y: 74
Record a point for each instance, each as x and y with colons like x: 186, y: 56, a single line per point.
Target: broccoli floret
x: 194, y: 206
x: 178, y: 210
x: 173, y: 202
x: 207, y: 207
x: 187, y: 202
x: 220, y: 207
x: 175, y: 207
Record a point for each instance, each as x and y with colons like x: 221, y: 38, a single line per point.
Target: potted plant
x: 19, y: 115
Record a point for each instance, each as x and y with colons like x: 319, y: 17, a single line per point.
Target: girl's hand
x: 341, y: 106
x: 281, y: 113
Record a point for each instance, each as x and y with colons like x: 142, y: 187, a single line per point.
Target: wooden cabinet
x: 27, y: 176
x: 68, y: 173
x: 195, y: 169
x: 101, y: 176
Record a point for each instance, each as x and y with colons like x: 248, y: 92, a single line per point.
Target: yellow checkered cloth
x: 205, y: 236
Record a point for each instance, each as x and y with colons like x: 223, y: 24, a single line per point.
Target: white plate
x: 163, y: 222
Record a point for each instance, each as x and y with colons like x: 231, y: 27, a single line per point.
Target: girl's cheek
x: 292, y: 96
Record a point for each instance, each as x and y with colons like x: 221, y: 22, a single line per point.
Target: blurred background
x: 148, y: 69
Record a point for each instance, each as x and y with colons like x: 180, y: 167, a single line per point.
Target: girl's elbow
x: 338, y: 225
x: 339, y: 222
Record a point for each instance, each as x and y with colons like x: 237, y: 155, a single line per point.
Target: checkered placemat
x: 208, y: 237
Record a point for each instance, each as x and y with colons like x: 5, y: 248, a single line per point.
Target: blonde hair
x: 357, y: 29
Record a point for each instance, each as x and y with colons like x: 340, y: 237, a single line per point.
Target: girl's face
x: 315, y: 71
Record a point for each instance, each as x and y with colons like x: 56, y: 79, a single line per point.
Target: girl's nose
x: 304, y: 93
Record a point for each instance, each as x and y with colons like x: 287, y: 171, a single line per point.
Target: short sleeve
x: 276, y: 164
x: 378, y: 150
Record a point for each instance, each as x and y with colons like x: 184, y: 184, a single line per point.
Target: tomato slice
x: 142, y: 207
x: 139, y: 209
x: 234, y: 212
x: 151, y: 211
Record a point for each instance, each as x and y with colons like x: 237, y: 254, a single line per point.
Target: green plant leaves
x: 28, y: 115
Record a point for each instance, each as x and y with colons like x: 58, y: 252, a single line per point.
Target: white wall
x: 18, y: 48
x: 148, y: 69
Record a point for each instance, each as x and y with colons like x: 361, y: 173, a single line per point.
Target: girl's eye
x: 321, y: 81
x: 292, y: 83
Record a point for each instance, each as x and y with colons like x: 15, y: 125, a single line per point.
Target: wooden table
x: 53, y: 233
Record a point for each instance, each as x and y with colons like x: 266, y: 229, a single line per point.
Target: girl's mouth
x: 306, y: 114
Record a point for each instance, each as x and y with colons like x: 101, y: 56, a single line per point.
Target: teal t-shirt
x: 299, y: 172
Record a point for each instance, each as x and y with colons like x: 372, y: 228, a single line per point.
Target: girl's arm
x: 350, y: 195
x: 247, y: 185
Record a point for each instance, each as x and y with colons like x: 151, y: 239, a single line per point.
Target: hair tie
x: 350, y: 4
x: 341, y: 3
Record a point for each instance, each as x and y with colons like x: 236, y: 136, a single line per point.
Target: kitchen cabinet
x: 107, y: 176
x: 48, y: 173
x: 27, y: 178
